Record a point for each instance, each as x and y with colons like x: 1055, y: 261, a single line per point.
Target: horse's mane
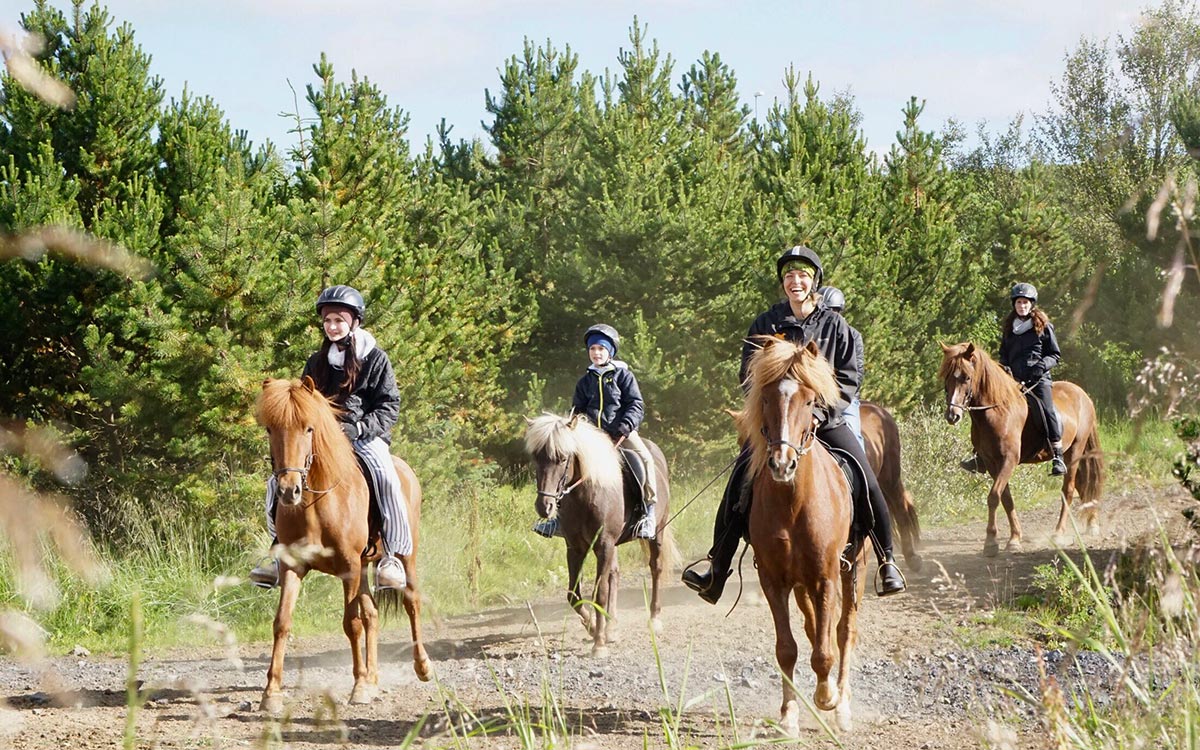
x: 990, y: 383
x: 552, y: 437
x: 776, y: 360
x: 290, y: 405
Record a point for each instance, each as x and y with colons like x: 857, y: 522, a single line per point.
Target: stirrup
x: 548, y: 527
x: 646, y: 526
x: 879, y: 577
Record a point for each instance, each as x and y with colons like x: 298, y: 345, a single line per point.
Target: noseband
x: 563, y: 488
x: 806, y: 442
x: 277, y: 473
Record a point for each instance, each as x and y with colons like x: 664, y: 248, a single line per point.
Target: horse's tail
x: 1089, y: 481
x: 668, y: 550
x: 389, y: 601
x: 913, y: 521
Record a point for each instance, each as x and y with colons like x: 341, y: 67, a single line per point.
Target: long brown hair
x: 324, y: 374
x: 1040, y: 320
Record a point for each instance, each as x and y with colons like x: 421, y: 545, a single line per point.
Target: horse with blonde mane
x: 800, y: 520
x: 1004, y: 437
x: 579, y: 478
x: 323, y: 503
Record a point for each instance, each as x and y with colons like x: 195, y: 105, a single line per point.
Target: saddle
x: 374, y: 515
x: 863, y: 519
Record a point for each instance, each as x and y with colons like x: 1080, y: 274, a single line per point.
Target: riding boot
x: 389, y: 573
x: 727, y: 534
x: 1058, y: 467
x: 265, y: 575
x: 891, y: 579
x: 711, y: 583
x: 973, y: 464
x: 647, y: 525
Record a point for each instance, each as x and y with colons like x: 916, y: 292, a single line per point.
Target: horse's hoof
x: 825, y: 697
x: 991, y: 548
x: 361, y: 695
x: 656, y: 625
x: 1015, y: 547
x: 789, y: 720
x: 421, y: 664
x: 271, y: 704
x: 599, y: 652
x: 914, y: 561
x: 844, y: 721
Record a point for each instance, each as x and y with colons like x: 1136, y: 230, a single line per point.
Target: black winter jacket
x: 1028, y: 355
x: 611, y: 399
x: 374, y: 404
x: 832, y: 334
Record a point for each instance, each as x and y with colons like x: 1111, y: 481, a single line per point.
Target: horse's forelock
x: 288, y: 405
x: 769, y: 365
x: 552, y: 437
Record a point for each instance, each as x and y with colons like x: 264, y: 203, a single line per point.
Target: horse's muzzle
x: 545, y: 506
x: 783, y: 471
x: 288, y: 494
x: 953, y: 414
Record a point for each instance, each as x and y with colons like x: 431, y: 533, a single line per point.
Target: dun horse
x: 1003, y: 437
x: 579, y: 478
x: 881, y: 437
x: 800, y: 521
x: 322, y: 502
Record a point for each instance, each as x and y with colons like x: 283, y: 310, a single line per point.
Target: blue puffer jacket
x: 610, y: 398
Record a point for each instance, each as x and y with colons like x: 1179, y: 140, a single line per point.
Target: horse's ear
x: 944, y: 347
x: 970, y: 350
x: 309, y: 384
x: 813, y: 349
x: 266, y: 382
x: 527, y: 420
x: 574, y: 420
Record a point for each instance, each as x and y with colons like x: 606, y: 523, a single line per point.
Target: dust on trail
x: 914, y: 687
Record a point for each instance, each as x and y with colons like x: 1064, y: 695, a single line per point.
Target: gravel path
x: 916, y: 686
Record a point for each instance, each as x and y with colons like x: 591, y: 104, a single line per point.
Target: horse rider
x: 800, y: 318
x: 350, y: 369
x: 835, y: 300
x: 608, y: 394
x: 1028, y: 351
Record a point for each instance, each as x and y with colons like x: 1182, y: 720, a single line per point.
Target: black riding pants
x: 1043, y: 391
x: 731, y: 522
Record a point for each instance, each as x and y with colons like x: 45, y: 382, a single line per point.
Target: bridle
x: 806, y: 439
x: 563, y: 488
x: 966, y: 405
x: 308, y: 462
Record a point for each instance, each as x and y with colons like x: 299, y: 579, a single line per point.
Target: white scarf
x: 364, y: 342
x: 1021, y: 325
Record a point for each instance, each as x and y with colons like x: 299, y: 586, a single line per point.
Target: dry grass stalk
x: 34, y: 243
x: 18, y: 55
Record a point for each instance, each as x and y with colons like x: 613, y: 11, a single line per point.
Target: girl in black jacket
x: 357, y: 375
x: 1028, y: 349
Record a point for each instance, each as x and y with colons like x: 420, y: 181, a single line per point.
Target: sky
x: 971, y: 60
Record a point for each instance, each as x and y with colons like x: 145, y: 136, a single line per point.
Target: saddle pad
x: 864, y: 517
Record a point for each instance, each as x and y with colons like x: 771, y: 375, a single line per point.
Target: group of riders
x: 355, y: 373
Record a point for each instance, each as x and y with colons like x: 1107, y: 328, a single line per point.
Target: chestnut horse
x: 579, y: 479
x: 333, y: 518
x: 800, y: 520
x: 1003, y: 437
x: 881, y: 439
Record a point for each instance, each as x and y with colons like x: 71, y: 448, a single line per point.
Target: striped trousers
x: 381, y: 473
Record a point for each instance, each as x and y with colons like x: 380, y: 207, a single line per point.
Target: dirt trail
x: 914, y: 687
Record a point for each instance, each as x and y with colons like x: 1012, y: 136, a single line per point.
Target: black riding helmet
x: 607, y: 332
x: 1028, y: 291
x: 833, y: 297
x: 799, y: 252
x: 345, y: 296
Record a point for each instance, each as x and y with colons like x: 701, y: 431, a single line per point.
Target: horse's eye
x: 309, y: 430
